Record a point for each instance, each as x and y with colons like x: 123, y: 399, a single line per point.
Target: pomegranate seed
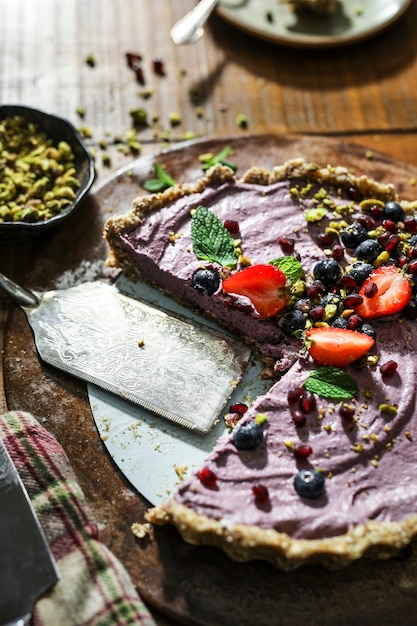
x: 287, y: 244
x: 308, y: 402
x: 412, y: 253
x: 383, y: 239
x: 371, y: 289
x: 353, y: 300
x: 133, y: 59
x: 294, y: 395
x: 158, y: 67
x: 317, y: 313
x: 354, y: 322
x: 347, y: 413
x: 324, y: 241
x: 354, y: 194
x: 390, y: 226
x: 338, y: 252
x: 412, y: 267
x: 402, y: 260
x: 299, y: 419
x: 140, y: 77
x: 232, y: 226
x: 207, y: 477
x: 410, y: 224
x: 315, y: 290
x: 303, y: 451
x: 392, y: 243
x: 388, y: 369
x: 367, y: 221
x: 349, y: 282
x: 238, y: 407
x: 410, y: 311
x: 377, y: 211
x: 260, y: 493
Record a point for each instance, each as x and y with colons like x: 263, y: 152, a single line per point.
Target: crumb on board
x: 140, y: 530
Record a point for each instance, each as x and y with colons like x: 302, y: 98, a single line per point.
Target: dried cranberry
x: 388, y: 369
x: 287, y: 244
x: 232, y: 226
x: 207, y: 477
x: 303, y: 451
x: 260, y: 493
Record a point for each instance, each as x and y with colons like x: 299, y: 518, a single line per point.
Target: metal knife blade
x: 27, y: 566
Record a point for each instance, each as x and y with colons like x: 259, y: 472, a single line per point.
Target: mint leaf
x: 211, y: 240
x: 291, y: 267
x: 331, y: 383
x: 163, y: 180
x: 210, y: 160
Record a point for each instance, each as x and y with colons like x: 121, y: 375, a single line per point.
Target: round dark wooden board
x: 180, y: 582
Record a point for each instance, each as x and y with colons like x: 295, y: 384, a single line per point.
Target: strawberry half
x: 264, y: 285
x: 337, y: 347
x: 394, y: 292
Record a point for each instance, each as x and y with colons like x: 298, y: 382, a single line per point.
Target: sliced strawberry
x: 337, y: 347
x: 392, y: 294
x: 264, y: 285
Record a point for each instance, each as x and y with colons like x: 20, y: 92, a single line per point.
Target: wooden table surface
x: 70, y: 57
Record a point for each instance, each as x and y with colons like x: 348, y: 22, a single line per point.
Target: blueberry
x: 328, y: 271
x: 339, y: 322
x: 368, y: 250
x: 206, y: 281
x: 360, y: 271
x: 309, y: 483
x: 413, y: 240
x: 248, y: 436
x: 353, y: 235
x: 368, y: 329
x: 293, y: 321
x: 393, y: 211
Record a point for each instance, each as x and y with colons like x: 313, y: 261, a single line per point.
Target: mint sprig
x: 291, y: 267
x: 211, y: 240
x: 208, y: 161
x: 162, y: 181
x: 331, y: 383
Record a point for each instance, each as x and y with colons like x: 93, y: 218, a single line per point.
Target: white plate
x: 353, y: 21
x: 153, y: 452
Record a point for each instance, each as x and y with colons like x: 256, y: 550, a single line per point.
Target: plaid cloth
x: 95, y: 589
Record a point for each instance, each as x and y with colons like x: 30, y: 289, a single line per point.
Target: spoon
x: 190, y: 28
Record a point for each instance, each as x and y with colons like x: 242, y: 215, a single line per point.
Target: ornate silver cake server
x: 178, y: 368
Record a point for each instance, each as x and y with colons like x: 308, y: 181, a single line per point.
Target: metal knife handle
x: 22, y: 296
x: 20, y: 621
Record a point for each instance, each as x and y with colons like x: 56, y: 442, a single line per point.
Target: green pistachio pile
x: 37, y: 179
